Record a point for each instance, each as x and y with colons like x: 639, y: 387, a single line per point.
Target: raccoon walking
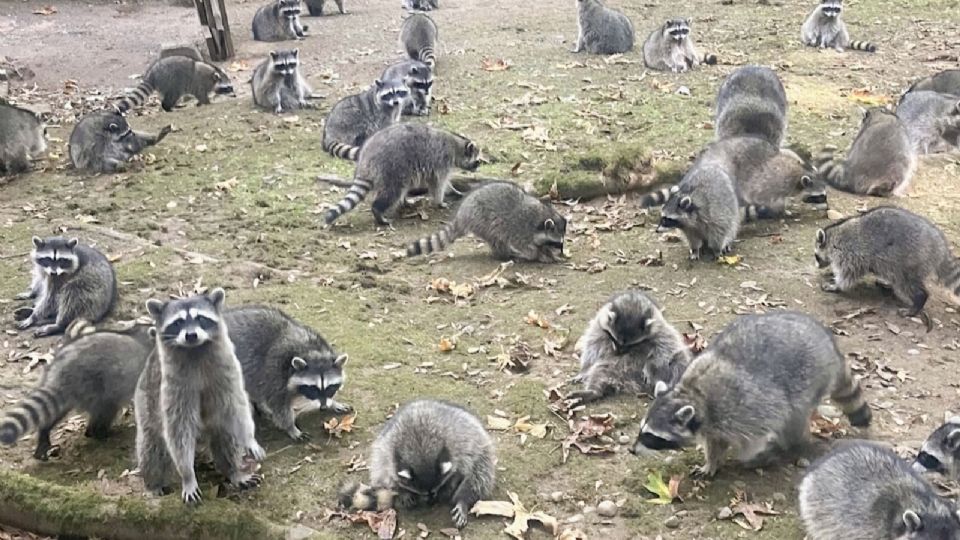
x: 315, y: 7
x: 285, y: 362
x: 174, y: 77
x: 932, y: 120
x: 277, y: 84
x: 192, y: 387
x: 69, y: 281
x: 430, y: 452
x: 880, y: 163
x: 514, y: 223
x: 94, y: 372
x: 753, y: 391
x: 356, y: 117
x: 418, y: 36
x: 752, y: 101
x: 863, y: 491
x: 419, y: 79
x: 825, y: 28
x: 628, y: 347
x: 906, y: 252
x: 403, y: 156
x: 278, y: 21
x: 602, y: 30
x: 670, y: 48
x: 22, y: 139
x: 941, y: 451
x: 103, y: 142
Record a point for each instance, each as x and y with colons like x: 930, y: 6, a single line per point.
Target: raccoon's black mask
x: 931, y: 463
x: 651, y: 441
x: 816, y: 199
x: 669, y: 223
x: 820, y: 262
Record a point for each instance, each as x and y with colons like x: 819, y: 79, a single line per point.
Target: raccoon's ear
x: 912, y: 521
x: 298, y: 363
x: 341, y: 360
x: 379, y: 83
x: 446, y: 467
x: 405, y: 473
x: 821, y: 237
x: 472, y: 148
x: 685, y: 414
x: 414, y: 70
x: 953, y: 440
x: 806, y: 181
x: 216, y: 296
x: 273, y: 55
x: 72, y: 243
x: 686, y: 21
x: 296, y: 53
x: 686, y: 203
x: 154, y: 308
x: 549, y: 225
x: 660, y: 389
x: 37, y: 242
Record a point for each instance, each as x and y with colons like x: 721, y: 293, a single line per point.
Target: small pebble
x: 556, y: 496
x: 803, y: 463
x: 829, y: 411
x: 672, y: 522
x: 624, y: 439
x: 725, y: 513
x: 607, y: 509
x: 589, y: 509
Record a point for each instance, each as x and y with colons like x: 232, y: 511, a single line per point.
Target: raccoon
x: 69, y: 281
x: 174, y: 77
x: 278, y: 21
x: 752, y: 101
x: 403, y: 156
x: 103, y: 142
x: 602, y: 30
x: 824, y: 28
x: 419, y: 79
x: 753, y: 391
x: 356, y: 117
x: 941, y: 451
x: 628, y: 347
x: 277, y: 84
x: 945, y: 82
x: 192, y: 387
x: 430, y: 452
x: 514, y: 223
x: 315, y: 7
x: 418, y: 36
x: 863, y: 491
x: 906, y: 252
x: 670, y: 48
x: 93, y: 372
x: 22, y: 139
x: 880, y: 163
x: 931, y: 119
x: 420, y: 5
x: 284, y: 362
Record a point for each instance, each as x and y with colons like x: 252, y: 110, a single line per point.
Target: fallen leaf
x: 834, y: 215
x: 585, y: 435
x: 384, y: 523
x: 751, y: 512
x: 534, y: 319
x: 498, y: 423
x: 666, y: 493
x: 227, y: 185
x: 338, y: 426
x: 498, y: 64
x: 447, y: 345
x: 730, y: 260
x: 45, y: 10
x: 566, y: 308
x: 864, y: 96
x: 522, y: 518
x: 695, y: 341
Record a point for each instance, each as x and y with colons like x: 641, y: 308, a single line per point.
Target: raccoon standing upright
x: 670, y: 48
x: 174, y: 77
x: 95, y: 372
x: 753, y: 391
x: 602, y: 30
x: 277, y: 83
x: 419, y: 79
x: 103, y: 142
x: 353, y: 119
x: 752, y: 101
x: 403, y: 156
x: 628, y: 347
x: 418, y: 36
x: 880, y: 163
x: 69, y: 281
x: 315, y: 7
x: 22, y: 139
x: 932, y: 120
x: 824, y: 28
x: 430, y: 452
x: 192, y: 387
x: 514, y: 223
x: 278, y: 21
x: 285, y: 362
x: 863, y: 491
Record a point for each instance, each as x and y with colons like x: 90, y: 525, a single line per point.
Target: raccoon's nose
x: 191, y: 337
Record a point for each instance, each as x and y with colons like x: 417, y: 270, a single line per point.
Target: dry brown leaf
x: 572, y: 534
x: 585, y: 434
x: 695, y: 342
x: 384, y: 524
x: 446, y: 345
x: 45, y: 10
x: 535, y: 319
x: 522, y: 518
x: 752, y: 512
x: 553, y: 344
x: 498, y: 423
x: 227, y: 185
x: 498, y: 64
x: 338, y: 426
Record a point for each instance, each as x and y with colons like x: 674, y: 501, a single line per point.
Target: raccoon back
x: 882, y: 159
x: 21, y: 135
x: 605, y: 30
x: 418, y: 32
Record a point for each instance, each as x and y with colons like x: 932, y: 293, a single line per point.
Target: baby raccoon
x: 285, y: 362
x: 753, y: 391
x: 670, y: 48
x: 906, y: 253
x: 22, y: 139
x: 418, y: 36
x: 278, y: 21
x: 315, y: 7
x: 515, y: 224
x: 932, y: 120
x: 628, y: 347
x: 752, y: 101
x: 945, y: 82
x: 400, y: 157
x: 103, y: 142
x: 880, y: 163
x: 863, y: 491
x: 419, y: 79
x: 602, y: 30
x: 430, y: 452
x: 174, y: 77
x: 824, y: 28
x: 70, y: 281
x: 277, y: 84
x: 356, y: 117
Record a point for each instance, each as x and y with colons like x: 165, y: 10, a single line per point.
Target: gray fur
x: 945, y: 82
x: 863, y: 491
x: 315, y: 7
x: 174, y: 77
x: 881, y: 161
x: 752, y: 101
x: 670, y: 48
x: 418, y: 36
x: 403, y: 156
x: 824, y: 28
x: 419, y: 79
x: 69, y: 281
x: 21, y: 139
x: 420, y: 5
x: 353, y: 119
x: 103, y: 142
x: 941, y: 451
x: 278, y: 21
x: 277, y: 83
x: 285, y: 362
x: 932, y: 120
x: 753, y: 391
x: 628, y: 347
x: 515, y: 224
x: 602, y: 30
x: 192, y: 387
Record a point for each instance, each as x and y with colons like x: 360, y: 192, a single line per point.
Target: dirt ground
x: 230, y: 199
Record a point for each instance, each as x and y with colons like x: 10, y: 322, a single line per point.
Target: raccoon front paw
x: 279, y: 109
x: 24, y: 296
x: 256, y: 451
x: 340, y: 408
x: 404, y: 500
x: 251, y: 481
x: 47, y: 330
x: 26, y: 323
x: 704, y: 471
x: 160, y: 491
x: 459, y: 516
x: 694, y: 254
x: 191, y: 494
x: 830, y: 286
x: 22, y: 314
x: 296, y: 434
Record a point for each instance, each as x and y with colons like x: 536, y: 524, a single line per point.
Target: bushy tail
x: 755, y: 212
x: 437, y: 241
x: 849, y: 397
x: 949, y: 276
x: 136, y: 98
x: 832, y: 169
x: 359, y: 496
x: 40, y: 408
x: 710, y: 59
x: 354, y: 195
x: 77, y: 329
x: 862, y: 46
x: 343, y: 151
x: 659, y: 197
x: 428, y: 57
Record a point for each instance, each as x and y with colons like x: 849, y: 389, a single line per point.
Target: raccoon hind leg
x: 388, y: 199
x: 101, y: 420
x: 42, y: 451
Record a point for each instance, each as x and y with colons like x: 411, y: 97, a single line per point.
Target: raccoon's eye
x: 45, y: 261
x: 66, y: 264
x: 206, y: 323
x: 329, y: 391
x: 173, y: 329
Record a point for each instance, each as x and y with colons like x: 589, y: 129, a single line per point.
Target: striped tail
x: 659, y: 197
x: 949, y: 276
x: 709, y: 59
x: 76, y: 330
x: 437, y: 241
x: 343, y: 151
x: 136, y: 98
x: 849, y: 397
x: 354, y: 195
x: 756, y: 212
x: 428, y: 57
x: 39, y: 409
x: 358, y: 496
x: 862, y: 46
x: 831, y: 169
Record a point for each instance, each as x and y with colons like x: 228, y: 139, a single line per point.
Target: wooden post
x: 220, y: 42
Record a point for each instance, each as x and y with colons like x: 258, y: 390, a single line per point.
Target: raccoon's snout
x: 653, y: 442
x: 224, y: 89
x: 821, y: 263
x: 472, y: 166
x: 191, y: 338
x: 816, y: 199
x: 667, y: 223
